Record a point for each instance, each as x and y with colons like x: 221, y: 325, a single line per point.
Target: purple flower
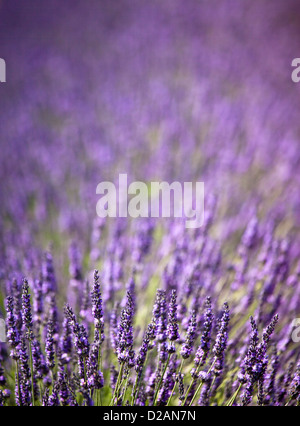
x: 160, y: 316
x: 187, y: 347
x: 141, y: 358
x: 81, y: 341
x: 25, y: 376
x: 81, y: 344
x: 125, y: 334
x: 63, y: 389
x: 113, y: 327
x: 97, y: 310
x: 295, y: 385
x: 38, y: 303
x: 95, y: 378
x: 50, y: 346
x: 75, y: 266
x: 221, y: 341
x: 204, y: 348
x: 53, y: 400
x: 173, y: 327
x: 49, y: 279
x: 39, y: 363
x: 17, y: 303
x: 13, y: 338
x: 26, y: 311
x: 256, y: 362
x: 66, y: 343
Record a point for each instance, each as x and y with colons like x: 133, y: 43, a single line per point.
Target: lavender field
x: 144, y: 312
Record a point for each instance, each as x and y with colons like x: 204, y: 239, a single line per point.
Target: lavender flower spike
x: 125, y: 334
x: 173, y: 327
x: 204, y: 348
x: 187, y: 347
x: 221, y: 341
x: 12, y: 332
x: 97, y: 309
x: 26, y: 311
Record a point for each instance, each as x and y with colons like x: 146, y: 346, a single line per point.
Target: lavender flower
x: 95, y: 376
x: 160, y: 316
x: 50, y: 346
x: 80, y: 335
x: 256, y: 362
x: 187, y: 347
x: 221, y: 341
x: 113, y: 327
x: 39, y: 363
x: 125, y: 334
x: 66, y: 343
x: 204, y: 348
x: 49, y: 279
x: 38, y: 304
x: 141, y: 358
x: 12, y: 332
x: 97, y: 310
x: 26, y: 311
x: 172, y: 329
x: 81, y: 344
x: 156, y: 124
x: 295, y: 386
x: 24, y: 378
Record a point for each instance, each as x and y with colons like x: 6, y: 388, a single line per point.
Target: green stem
x: 174, y: 387
x: 161, y: 379
x: 234, y: 397
x: 125, y: 390
x: 19, y: 389
x: 117, y: 384
x: 99, y: 393
x: 201, y: 384
x: 32, y: 375
x: 138, y: 382
x: 289, y: 401
x: 196, y: 393
x: 191, y: 384
x: 135, y: 389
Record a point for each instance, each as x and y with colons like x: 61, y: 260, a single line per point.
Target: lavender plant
x: 144, y: 312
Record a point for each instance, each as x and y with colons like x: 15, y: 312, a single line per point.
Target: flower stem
x: 234, y: 397
x: 174, y: 387
x: 117, y: 384
x: 32, y: 374
x: 201, y: 384
x: 161, y: 379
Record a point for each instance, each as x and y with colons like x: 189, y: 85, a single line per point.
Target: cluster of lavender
x: 164, y: 91
x: 193, y: 350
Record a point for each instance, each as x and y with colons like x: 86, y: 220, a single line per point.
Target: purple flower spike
x: 204, y: 348
x: 97, y: 310
x: 160, y: 316
x: 221, y: 341
x: 173, y: 327
x: 187, y: 347
x: 50, y: 349
x: 125, y: 334
x: 49, y: 279
x: 26, y: 311
x: 13, y: 338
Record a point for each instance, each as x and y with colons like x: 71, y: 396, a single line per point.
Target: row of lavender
x: 185, y: 91
x: 195, y: 349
